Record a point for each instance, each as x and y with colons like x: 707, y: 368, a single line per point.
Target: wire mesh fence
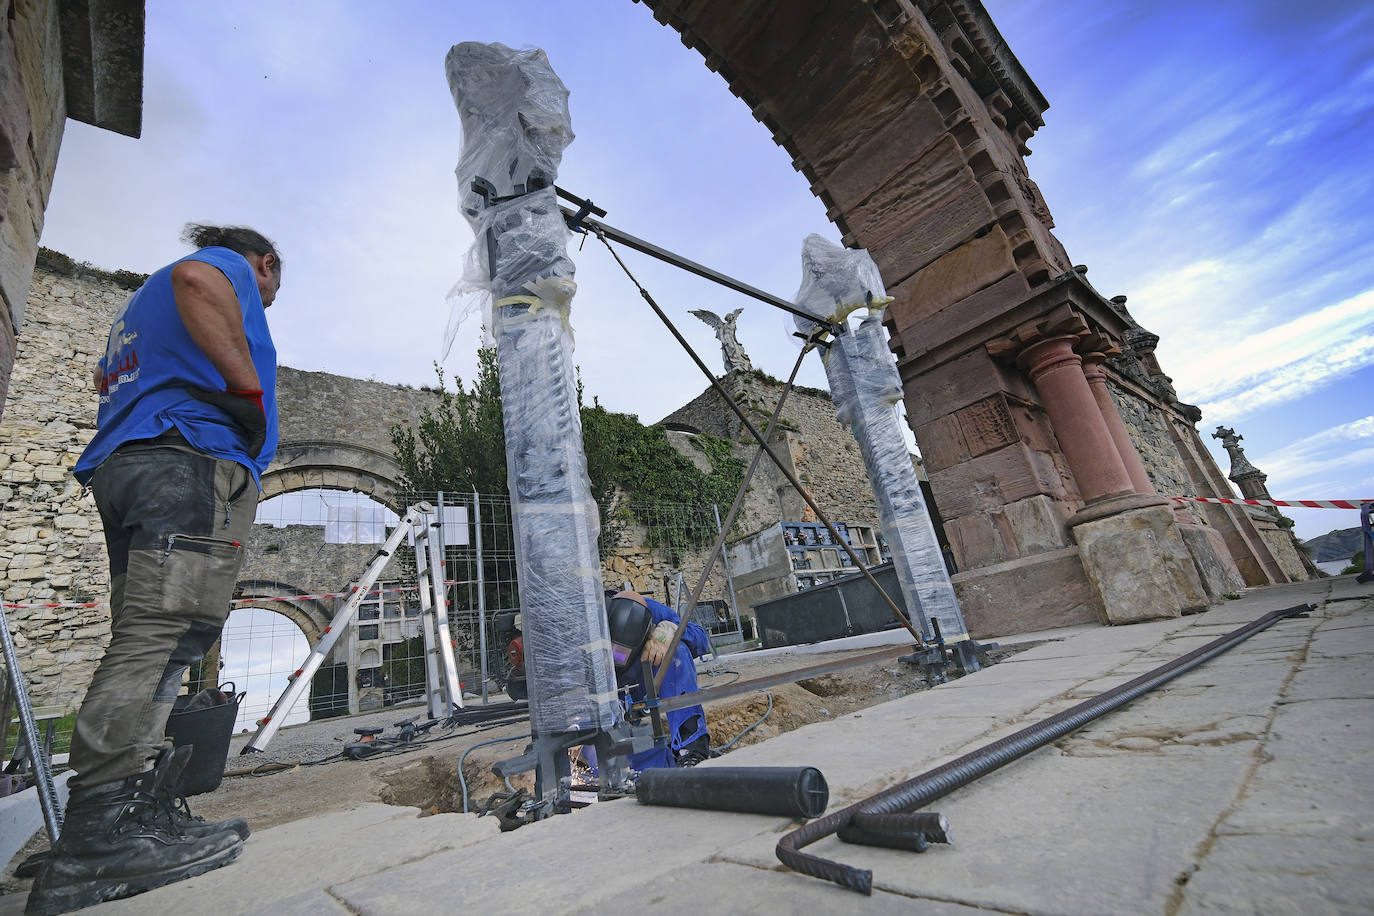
x: 307, y: 549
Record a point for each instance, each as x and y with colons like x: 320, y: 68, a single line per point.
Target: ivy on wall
x: 459, y: 445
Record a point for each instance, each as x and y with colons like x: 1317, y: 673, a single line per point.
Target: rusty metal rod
x: 960, y: 772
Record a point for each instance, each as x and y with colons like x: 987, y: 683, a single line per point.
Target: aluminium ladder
x: 421, y: 526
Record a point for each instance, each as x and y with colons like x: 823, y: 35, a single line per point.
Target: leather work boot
x: 174, y: 761
x: 122, y: 838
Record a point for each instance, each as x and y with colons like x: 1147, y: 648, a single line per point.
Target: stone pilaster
x: 1129, y: 541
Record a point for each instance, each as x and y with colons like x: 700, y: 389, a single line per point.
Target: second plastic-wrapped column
x: 866, y: 388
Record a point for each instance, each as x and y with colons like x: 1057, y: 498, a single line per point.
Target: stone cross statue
x: 1230, y: 440
x: 735, y: 357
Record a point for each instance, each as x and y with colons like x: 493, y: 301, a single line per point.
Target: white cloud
x: 1341, y: 452
x: 1286, y: 362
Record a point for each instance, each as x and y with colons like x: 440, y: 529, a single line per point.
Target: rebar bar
x: 945, y: 779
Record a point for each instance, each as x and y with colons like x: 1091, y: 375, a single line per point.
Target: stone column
x: 1097, y: 380
x: 1078, y: 423
x: 1129, y: 542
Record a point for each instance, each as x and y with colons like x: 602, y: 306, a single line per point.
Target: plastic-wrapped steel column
x: 514, y: 112
x: 864, y: 382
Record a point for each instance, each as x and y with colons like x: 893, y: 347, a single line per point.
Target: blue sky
x: 1208, y: 161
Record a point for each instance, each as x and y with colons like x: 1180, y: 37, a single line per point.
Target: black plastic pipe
x: 944, y: 779
x: 780, y: 791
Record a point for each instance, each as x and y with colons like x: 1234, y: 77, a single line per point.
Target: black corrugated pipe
x: 944, y: 779
x: 780, y: 791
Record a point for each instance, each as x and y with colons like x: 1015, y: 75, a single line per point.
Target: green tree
x: 459, y: 445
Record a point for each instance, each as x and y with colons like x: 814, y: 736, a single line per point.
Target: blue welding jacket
x: 684, y: 725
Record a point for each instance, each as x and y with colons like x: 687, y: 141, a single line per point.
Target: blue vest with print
x: 150, y: 360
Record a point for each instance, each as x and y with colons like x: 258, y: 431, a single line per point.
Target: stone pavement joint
x: 1178, y: 897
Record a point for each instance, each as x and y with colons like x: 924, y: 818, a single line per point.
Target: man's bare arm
x: 212, y: 315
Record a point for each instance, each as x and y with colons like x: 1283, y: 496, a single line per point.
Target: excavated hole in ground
x: 432, y: 784
x: 427, y: 778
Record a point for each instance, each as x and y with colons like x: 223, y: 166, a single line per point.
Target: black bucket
x: 206, y: 722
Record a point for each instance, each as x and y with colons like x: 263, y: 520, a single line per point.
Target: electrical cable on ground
x: 268, y: 768
x: 725, y: 747
x: 462, y: 782
x: 717, y: 673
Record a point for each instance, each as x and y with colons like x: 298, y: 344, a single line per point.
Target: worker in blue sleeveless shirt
x: 186, y: 424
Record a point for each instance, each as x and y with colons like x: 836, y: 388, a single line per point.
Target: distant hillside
x: 1336, y: 545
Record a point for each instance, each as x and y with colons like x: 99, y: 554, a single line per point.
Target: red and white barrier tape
x: 1296, y: 503
x: 240, y: 602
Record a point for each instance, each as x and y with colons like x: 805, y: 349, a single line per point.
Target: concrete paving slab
x: 725, y: 888
x: 287, y: 865
x: 1315, y: 775
x: 1017, y: 671
x: 1019, y: 834
x: 1278, y: 876
x: 561, y: 865
x: 1243, y: 786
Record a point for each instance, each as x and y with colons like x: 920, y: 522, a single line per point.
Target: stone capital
x: 1060, y: 323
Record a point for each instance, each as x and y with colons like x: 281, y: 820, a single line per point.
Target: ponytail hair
x: 236, y: 238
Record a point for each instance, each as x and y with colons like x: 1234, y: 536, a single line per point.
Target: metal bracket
x: 505, y: 807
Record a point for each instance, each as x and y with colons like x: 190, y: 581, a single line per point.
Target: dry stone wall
x: 51, y: 544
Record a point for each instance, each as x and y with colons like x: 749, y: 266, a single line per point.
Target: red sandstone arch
x: 910, y: 120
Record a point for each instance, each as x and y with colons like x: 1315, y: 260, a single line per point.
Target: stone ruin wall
x: 1163, y: 430
x: 51, y: 546
x: 820, y: 450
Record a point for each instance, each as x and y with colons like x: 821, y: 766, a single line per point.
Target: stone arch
x: 910, y: 121
x: 312, y: 615
x: 334, y: 465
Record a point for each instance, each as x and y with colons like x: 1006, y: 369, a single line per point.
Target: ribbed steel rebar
x: 944, y: 779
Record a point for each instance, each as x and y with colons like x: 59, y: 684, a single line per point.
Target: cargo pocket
x: 198, y: 575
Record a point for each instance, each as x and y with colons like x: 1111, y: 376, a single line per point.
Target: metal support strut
x: 763, y: 444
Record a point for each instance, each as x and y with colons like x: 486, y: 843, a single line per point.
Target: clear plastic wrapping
x: 515, y: 126
x: 514, y: 113
x: 865, y: 385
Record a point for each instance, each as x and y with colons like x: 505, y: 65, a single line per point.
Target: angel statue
x: 735, y: 357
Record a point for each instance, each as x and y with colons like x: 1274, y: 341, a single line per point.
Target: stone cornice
x: 996, y: 67
x: 1067, y: 304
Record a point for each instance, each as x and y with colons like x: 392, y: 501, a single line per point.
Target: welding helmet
x: 630, y: 622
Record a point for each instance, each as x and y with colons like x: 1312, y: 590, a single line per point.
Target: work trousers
x: 175, y: 521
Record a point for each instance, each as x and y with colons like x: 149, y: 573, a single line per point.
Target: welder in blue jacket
x: 689, y: 742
